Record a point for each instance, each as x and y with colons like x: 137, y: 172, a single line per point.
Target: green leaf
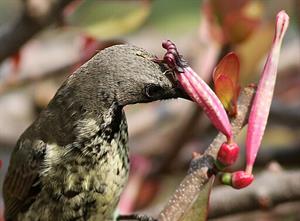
x: 109, y: 19
x: 198, y: 211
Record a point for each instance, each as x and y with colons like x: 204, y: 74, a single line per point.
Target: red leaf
x: 226, y: 80
x: 224, y: 91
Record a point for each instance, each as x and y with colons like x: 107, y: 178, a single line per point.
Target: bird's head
x: 125, y: 74
x: 99, y: 89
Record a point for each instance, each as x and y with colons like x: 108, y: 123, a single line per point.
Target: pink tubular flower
x: 198, y: 90
x: 202, y: 94
x: 263, y: 98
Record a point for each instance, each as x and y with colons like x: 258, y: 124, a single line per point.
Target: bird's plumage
x: 72, y: 163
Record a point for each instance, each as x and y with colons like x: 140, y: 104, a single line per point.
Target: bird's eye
x: 153, y: 90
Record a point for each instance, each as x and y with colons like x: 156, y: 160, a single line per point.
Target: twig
x: 268, y: 190
x: 13, y: 36
x: 286, y: 155
x: 285, y: 115
x: 9, y: 86
x: 201, y: 167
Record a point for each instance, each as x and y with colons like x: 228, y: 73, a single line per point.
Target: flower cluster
x: 227, y: 88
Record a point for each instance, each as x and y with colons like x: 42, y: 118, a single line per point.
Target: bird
x: 72, y: 162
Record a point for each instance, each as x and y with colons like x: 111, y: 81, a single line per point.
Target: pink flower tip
x: 282, y: 22
x: 227, y: 155
x: 237, y: 180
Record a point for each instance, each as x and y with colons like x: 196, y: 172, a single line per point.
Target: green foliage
x: 175, y: 16
x: 109, y: 19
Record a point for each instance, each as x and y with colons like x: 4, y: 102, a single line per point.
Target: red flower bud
x: 241, y: 179
x: 237, y: 180
x: 227, y: 154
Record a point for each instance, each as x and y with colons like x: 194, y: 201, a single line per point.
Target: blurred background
x: 44, y: 41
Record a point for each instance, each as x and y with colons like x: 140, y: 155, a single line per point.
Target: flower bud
x: 237, y: 180
x: 227, y: 155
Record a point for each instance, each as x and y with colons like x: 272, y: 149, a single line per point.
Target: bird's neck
x: 109, y: 131
x: 106, y: 124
